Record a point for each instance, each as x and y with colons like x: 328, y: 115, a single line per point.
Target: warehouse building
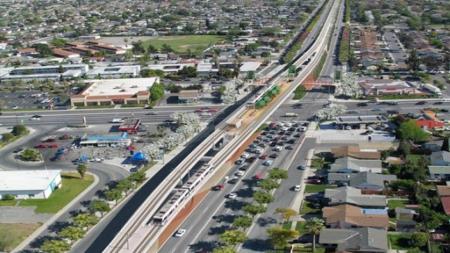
x: 29, y: 184
x: 115, y: 91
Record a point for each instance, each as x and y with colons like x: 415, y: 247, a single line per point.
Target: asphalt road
x: 96, y: 116
x: 202, y: 228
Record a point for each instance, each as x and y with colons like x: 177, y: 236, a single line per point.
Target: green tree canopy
x: 224, y: 249
x: 58, y: 42
x: 232, y: 237
x: 277, y: 173
x: 156, y: 91
x: 268, y: 184
x: 286, y: 213
x: 55, y: 246
x: 262, y: 197
x: 242, y: 222
x: 253, y: 209
x: 99, y: 206
x: 31, y: 154
x: 84, y: 220
x: 81, y: 169
x: 113, y: 195
x: 19, y: 130
x: 279, y: 236
x: 409, y: 130
x: 419, y: 239
x: 72, y: 232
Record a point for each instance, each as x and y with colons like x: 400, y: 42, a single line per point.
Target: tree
x: 268, y: 184
x: 43, y: 49
x: 8, y: 197
x: 6, y: 137
x: 55, y: 246
x: 413, y: 60
x: 99, y: 206
x: 232, y: 237
x: 58, y: 42
x: 113, y: 195
x: 156, y: 91
x: 278, y: 173
x: 137, y: 177
x: 165, y: 48
x: 81, y: 169
x: 279, y: 236
x: 314, y: 226
x: 242, y: 222
x: 19, y: 130
x: 187, y: 71
x: 30, y: 154
x: 419, y: 239
x: 254, y: 209
x: 262, y: 197
x: 224, y: 249
x: 72, y: 232
x: 84, y: 220
x: 409, y: 130
x: 138, y: 47
x: 124, y: 185
x: 286, y: 213
x: 250, y: 75
x: 404, y: 148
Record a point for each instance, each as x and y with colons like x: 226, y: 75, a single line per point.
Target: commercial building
x: 376, y: 87
x: 359, y: 121
x: 29, y: 184
x: 106, y: 140
x: 115, y: 91
x: 54, y: 72
x: 188, y: 96
x: 170, y: 67
x: 114, y: 71
x: 64, y: 53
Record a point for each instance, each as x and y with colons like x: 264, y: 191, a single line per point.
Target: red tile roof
x: 446, y: 204
x: 429, y: 123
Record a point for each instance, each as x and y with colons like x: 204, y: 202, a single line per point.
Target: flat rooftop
x: 113, y: 70
x: 26, y: 180
x: 118, y: 87
x: 361, y: 119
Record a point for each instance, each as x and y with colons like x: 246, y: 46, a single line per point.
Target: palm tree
x: 82, y: 168
x: 314, y: 226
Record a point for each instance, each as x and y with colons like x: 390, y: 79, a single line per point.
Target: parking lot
x: 28, y: 100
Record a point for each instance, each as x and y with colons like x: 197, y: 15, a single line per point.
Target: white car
x: 239, y: 173
x: 268, y: 162
x: 180, y: 232
x: 117, y: 120
x: 297, y: 188
x: 232, y: 195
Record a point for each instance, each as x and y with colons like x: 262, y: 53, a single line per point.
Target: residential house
x: 405, y: 219
x: 439, y: 168
x: 428, y: 124
x: 355, y: 151
x: 444, y: 195
x: 354, y: 240
x: 348, y: 216
x: 353, y: 196
x: 366, y: 181
x: 352, y: 165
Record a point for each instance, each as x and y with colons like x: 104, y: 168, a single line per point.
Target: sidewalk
x: 56, y: 216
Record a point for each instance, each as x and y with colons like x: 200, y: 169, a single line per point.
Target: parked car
x: 301, y: 167
x: 239, y: 173
x: 218, y: 187
x: 297, y: 188
x: 232, y: 195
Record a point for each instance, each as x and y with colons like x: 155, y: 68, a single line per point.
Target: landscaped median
x: 17, y: 132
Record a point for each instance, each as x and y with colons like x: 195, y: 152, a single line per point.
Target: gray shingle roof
x: 366, y: 178
x: 350, y: 195
x: 443, y: 170
x: 440, y: 158
x: 357, y: 239
x: 356, y: 165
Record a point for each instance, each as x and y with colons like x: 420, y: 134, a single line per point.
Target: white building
x: 54, y: 72
x: 29, y: 184
x: 115, y: 91
x: 114, y: 71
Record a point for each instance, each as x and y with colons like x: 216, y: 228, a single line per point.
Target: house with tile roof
x: 349, y: 216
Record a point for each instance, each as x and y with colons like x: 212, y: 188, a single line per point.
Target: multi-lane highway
x: 97, y: 116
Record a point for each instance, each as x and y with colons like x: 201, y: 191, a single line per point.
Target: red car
x: 199, y: 110
x: 218, y: 187
x: 263, y: 157
x: 259, y: 176
x: 212, y: 110
x: 49, y: 140
x: 52, y: 145
x: 40, y: 146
